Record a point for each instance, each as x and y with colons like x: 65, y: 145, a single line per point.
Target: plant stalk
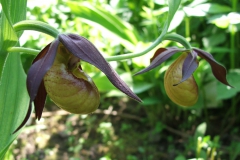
x: 36, y: 26
x: 173, y: 37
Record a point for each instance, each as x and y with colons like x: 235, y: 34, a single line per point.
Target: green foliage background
x: 157, y: 128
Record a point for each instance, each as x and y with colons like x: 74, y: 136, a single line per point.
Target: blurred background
x: 122, y: 129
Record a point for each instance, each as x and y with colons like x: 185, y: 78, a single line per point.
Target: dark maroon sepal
x: 36, y: 90
x: 86, y: 51
x: 218, y: 70
x: 39, y: 100
x: 190, y: 64
x: 159, y: 57
x: 25, y: 119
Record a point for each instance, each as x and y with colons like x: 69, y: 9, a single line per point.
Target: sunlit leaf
x: 7, y: 38
x: 177, y: 20
x: 14, y: 100
x: 214, y: 40
x: 213, y: 8
x: 201, y: 130
x: 14, y: 10
x: 194, y: 12
x: 105, y: 86
x: 14, y: 97
x: 196, y: 3
x: 102, y: 83
x: 173, y: 7
x: 224, y: 20
x: 98, y: 17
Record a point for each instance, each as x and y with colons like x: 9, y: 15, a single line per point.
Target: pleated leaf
x: 13, y: 93
x: 14, y: 100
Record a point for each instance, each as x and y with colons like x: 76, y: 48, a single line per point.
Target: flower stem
x: 36, y: 26
x: 178, y: 38
x: 187, y: 27
x: 173, y: 37
x: 234, y: 5
x: 232, y: 37
x: 24, y: 50
x: 232, y: 46
x: 138, y: 54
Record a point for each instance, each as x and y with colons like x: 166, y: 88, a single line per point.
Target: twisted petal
x: 190, y: 64
x: 85, y: 50
x: 25, y: 119
x: 218, y: 70
x: 39, y: 100
x: 35, y: 86
x: 159, y: 57
x: 39, y: 68
x: 41, y: 64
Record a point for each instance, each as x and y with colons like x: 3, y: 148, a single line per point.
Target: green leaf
x: 234, y: 150
x: 214, y: 40
x: 213, y: 8
x: 173, y: 7
x: 190, y: 11
x: 8, y: 38
x: 200, y: 131
x: 141, y: 87
x: 105, y: 86
x: 14, y: 10
x: 226, y: 92
x: 151, y: 100
x: 176, y: 21
x: 13, y: 94
x: 196, y: 3
x: 180, y: 157
x: 14, y: 100
x: 98, y: 17
x: 224, y: 20
x: 102, y: 83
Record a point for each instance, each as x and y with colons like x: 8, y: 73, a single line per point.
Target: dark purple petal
x: 33, y: 86
x: 218, y: 70
x: 41, y: 64
x: 85, y: 50
x: 190, y: 64
x: 39, y: 69
x: 25, y: 119
x: 162, y: 56
x: 42, y: 53
x: 39, y: 100
x: 159, y: 51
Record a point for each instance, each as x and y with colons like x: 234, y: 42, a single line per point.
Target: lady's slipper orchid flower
x: 56, y: 71
x: 179, y: 83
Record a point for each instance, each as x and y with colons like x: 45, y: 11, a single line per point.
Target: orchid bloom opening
x: 179, y: 82
x: 56, y: 71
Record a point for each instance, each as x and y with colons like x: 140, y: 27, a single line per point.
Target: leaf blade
x: 96, y: 16
x: 14, y: 98
x: 13, y: 92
